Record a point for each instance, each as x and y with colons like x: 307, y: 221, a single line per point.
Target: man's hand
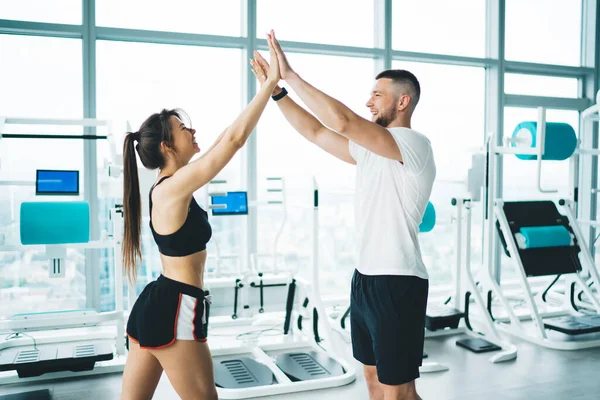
x: 260, y: 66
x: 273, y: 72
x: 284, y: 66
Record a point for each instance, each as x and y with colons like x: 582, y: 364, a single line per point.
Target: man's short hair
x: 406, y: 80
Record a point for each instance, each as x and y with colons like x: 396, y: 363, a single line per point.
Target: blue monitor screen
x: 236, y: 204
x: 63, y: 183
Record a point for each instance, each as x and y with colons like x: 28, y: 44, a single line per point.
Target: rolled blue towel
x: 546, y: 236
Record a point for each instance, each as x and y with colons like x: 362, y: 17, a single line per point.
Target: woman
x: 167, y: 325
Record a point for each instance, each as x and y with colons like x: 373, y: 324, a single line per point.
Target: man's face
x: 383, y: 102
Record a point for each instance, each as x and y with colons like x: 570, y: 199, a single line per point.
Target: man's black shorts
x: 387, y: 315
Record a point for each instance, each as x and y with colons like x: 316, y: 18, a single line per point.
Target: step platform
x: 304, y: 366
x: 442, y: 317
x: 31, y: 361
x: 572, y: 325
x: 242, y: 372
x: 477, y: 345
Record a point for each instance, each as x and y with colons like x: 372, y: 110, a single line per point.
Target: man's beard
x: 387, y: 118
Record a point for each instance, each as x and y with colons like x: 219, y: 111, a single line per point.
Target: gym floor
x: 537, y: 373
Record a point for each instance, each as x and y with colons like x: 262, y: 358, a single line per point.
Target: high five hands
x: 262, y: 69
x: 270, y: 74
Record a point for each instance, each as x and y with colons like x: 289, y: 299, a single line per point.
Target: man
x: 395, y: 174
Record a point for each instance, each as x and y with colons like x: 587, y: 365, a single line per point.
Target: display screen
x: 56, y: 182
x: 236, y: 203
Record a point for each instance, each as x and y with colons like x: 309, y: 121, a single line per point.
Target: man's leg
x: 375, y: 388
x: 362, y: 345
x: 406, y: 391
x: 396, y: 317
x: 379, y: 391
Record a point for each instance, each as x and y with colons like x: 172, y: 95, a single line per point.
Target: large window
x: 540, y: 31
x: 40, y: 77
x: 538, y: 85
x: 44, y: 76
x: 190, y: 16
x: 136, y: 80
x: 56, y: 11
x: 451, y: 114
x: 437, y: 26
x: 42, y: 82
x: 343, y: 22
x: 284, y: 152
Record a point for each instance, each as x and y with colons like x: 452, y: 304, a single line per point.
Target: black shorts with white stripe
x: 168, y: 310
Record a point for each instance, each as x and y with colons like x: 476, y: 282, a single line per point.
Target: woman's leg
x: 188, y: 364
x: 141, y: 375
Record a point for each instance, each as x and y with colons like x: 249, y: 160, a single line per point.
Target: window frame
x: 494, y: 62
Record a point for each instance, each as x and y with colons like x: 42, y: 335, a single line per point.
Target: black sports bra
x: 190, y: 238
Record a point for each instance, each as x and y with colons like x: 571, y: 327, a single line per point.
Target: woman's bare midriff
x: 187, y: 269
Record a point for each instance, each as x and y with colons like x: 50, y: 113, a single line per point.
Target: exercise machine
x: 300, y: 358
x: 542, y: 241
x: 251, y: 283
x: 40, y: 343
x: 65, y: 343
x: 467, y: 289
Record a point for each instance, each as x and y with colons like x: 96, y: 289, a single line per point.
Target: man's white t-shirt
x: 391, y: 198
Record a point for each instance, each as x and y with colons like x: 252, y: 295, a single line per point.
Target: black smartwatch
x: 281, y: 94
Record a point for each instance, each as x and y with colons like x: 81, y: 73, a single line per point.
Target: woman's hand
x: 260, y: 68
